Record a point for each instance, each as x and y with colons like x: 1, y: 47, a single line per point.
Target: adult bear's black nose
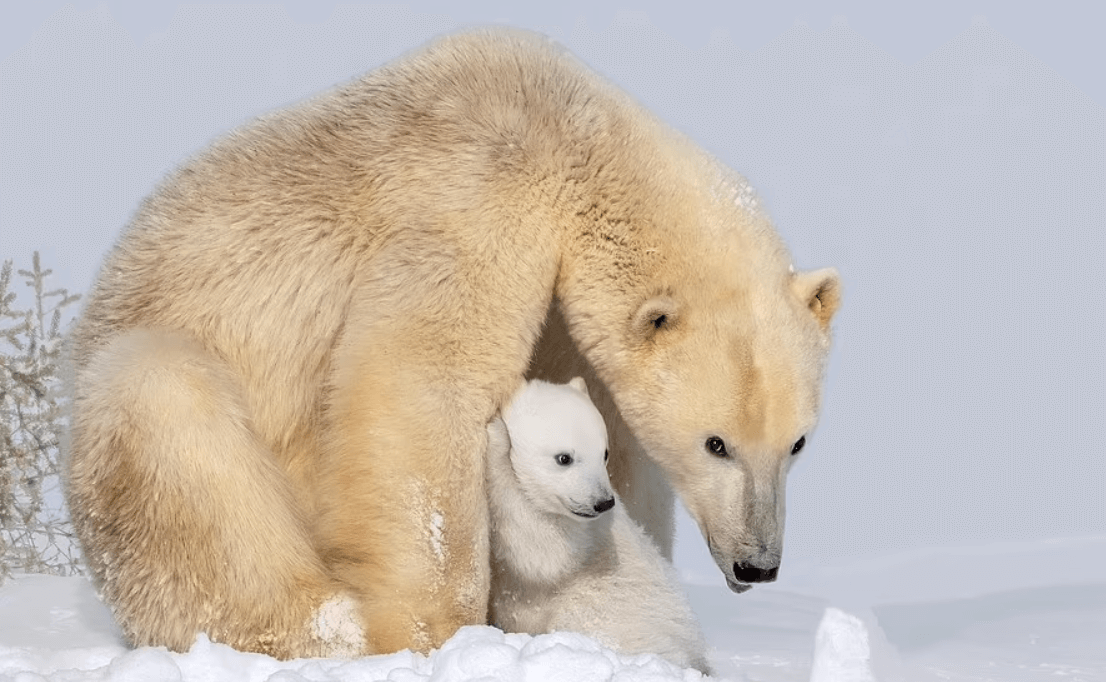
x: 748, y: 573
x: 603, y: 506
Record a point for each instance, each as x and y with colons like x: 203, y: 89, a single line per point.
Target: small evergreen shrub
x: 36, y: 535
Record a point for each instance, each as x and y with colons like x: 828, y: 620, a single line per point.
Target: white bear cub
x: 565, y: 555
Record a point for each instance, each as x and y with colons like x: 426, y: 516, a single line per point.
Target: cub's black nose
x: 747, y: 573
x: 603, y: 506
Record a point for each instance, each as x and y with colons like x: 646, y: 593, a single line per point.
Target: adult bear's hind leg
x: 186, y: 521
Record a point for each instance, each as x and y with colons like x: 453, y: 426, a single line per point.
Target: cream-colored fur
x: 283, y: 372
x: 556, y: 569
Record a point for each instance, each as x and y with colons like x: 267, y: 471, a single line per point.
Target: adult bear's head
x: 723, y: 391
x: 682, y: 296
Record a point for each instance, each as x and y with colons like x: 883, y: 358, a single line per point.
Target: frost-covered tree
x: 35, y: 532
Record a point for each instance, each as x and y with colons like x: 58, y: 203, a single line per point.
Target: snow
x: 437, y: 521
x: 1008, y: 613
x: 338, y: 622
x: 841, y: 651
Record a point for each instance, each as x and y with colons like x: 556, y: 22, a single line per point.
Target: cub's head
x: 559, y: 449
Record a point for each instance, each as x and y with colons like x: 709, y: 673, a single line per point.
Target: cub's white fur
x: 565, y: 555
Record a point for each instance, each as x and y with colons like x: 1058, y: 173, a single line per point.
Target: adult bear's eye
x: 798, y: 445
x: 606, y: 455
x: 716, y: 446
x: 564, y: 459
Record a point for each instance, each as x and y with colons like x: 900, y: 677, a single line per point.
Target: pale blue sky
x: 1063, y: 34
x: 949, y: 161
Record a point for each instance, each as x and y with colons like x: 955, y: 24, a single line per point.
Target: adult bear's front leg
x: 439, y: 334
x: 403, y: 517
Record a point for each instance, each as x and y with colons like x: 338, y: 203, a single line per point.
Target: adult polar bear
x: 284, y: 372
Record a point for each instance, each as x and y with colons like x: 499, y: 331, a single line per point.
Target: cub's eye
x: 563, y: 458
x: 606, y: 455
x: 716, y: 446
x: 798, y: 445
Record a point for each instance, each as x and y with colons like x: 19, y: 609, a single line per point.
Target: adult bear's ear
x: 578, y: 384
x: 820, y: 290
x: 654, y: 316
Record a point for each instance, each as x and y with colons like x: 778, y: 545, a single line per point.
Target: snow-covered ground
x: 1008, y: 613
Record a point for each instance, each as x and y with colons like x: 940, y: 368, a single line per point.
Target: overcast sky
x: 1064, y: 35
x: 950, y: 161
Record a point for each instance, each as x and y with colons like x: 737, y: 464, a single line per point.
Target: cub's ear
x: 821, y: 291
x: 654, y: 316
x: 578, y: 384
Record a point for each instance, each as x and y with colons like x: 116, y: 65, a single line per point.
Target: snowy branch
x: 36, y: 535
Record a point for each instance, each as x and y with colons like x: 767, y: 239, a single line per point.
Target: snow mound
x: 841, y: 651
x: 474, y: 653
x: 56, y: 630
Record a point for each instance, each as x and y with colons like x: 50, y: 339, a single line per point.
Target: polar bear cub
x: 565, y: 555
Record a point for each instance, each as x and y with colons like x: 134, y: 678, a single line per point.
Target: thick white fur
x: 285, y: 369
x: 553, y: 569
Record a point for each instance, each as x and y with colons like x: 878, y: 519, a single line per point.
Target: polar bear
x: 283, y: 373
x: 565, y: 554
